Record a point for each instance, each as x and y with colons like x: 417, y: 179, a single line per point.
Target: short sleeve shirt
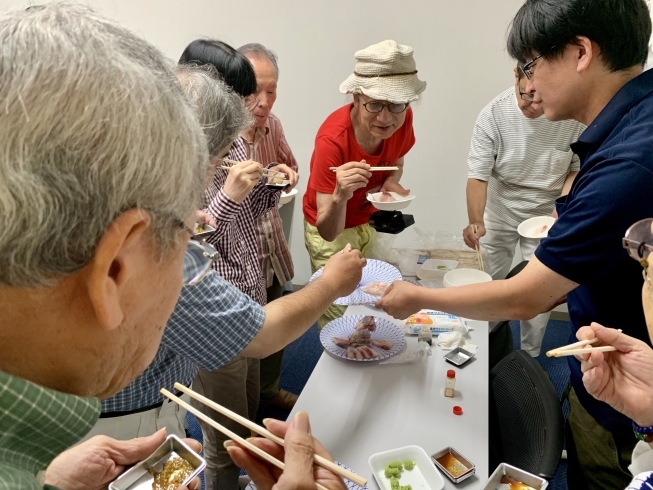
x: 613, y: 190
x: 335, y: 145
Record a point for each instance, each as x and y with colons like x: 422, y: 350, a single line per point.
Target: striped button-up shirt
x: 270, y: 146
x: 236, y: 235
x: 36, y: 424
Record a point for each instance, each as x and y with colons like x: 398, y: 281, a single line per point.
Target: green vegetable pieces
x: 391, y: 471
x: 406, y: 487
x: 394, y: 483
x: 409, y: 465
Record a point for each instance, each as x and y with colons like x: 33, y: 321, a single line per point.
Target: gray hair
x: 221, y: 112
x: 256, y: 50
x: 94, y: 123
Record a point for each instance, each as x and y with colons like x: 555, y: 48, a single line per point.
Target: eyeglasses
x: 529, y: 97
x: 251, y: 102
x: 198, y: 259
x: 638, y: 241
x: 374, y: 107
x: 527, y: 68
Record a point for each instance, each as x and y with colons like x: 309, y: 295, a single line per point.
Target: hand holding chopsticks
x: 479, y: 254
x: 255, y: 428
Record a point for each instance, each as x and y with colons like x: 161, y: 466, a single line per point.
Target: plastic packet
x: 412, y: 355
x: 438, y: 321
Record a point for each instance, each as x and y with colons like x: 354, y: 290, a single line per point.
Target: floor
x: 302, y: 355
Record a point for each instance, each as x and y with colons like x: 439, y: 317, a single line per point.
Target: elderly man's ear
x: 117, y: 267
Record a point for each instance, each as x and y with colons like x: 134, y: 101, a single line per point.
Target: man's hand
x: 391, y: 186
x: 399, y: 300
x: 204, y: 218
x: 624, y: 378
x: 297, y: 454
x: 242, y: 178
x: 291, y: 175
x: 351, y: 177
x: 344, y: 269
x: 95, y: 463
x: 473, y: 239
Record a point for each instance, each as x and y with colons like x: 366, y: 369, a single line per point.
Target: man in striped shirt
x: 266, y: 143
x: 518, y: 165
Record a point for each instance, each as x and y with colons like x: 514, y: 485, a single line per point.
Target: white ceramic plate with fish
x: 344, y: 326
x: 399, y: 202
x: 374, y: 271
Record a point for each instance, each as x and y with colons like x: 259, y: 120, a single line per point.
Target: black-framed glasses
x: 527, y: 68
x: 374, y: 107
x: 527, y: 96
x: 638, y: 241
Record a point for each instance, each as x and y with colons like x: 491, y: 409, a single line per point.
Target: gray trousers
x: 236, y: 387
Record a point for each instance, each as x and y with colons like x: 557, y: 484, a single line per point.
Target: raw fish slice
x: 375, y: 288
x: 344, y: 343
x: 383, y: 344
x: 351, y: 352
x: 360, y: 337
x: 366, y: 323
x: 368, y: 352
x: 541, y: 229
x: 386, y: 197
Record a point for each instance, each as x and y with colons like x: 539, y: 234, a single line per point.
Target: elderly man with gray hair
x: 101, y: 169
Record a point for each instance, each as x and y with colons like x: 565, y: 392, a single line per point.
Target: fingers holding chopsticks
x: 242, y: 178
x: 298, y: 454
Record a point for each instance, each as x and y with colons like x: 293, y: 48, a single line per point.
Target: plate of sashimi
x: 377, y: 277
x: 362, y: 338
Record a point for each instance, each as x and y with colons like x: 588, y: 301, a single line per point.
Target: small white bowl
x: 436, y: 268
x: 422, y: 476
x: 464, y: 277
x: 287, y: 197
x: 532, y: 228
x: 401, y: 202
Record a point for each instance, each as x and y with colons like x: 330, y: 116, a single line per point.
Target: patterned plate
x: 374, y: 271
x: 343, y: 327
x: 350, y: 485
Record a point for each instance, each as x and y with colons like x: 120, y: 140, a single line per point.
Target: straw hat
x: 385, y: 71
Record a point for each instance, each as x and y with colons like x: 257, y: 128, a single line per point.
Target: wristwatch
x: 643, y: 433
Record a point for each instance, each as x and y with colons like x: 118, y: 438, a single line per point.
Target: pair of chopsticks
x: 479, y: 254
x: 234, y: 162
x: 578, y: 348
x: 325, y: 463
x: 373, y: 169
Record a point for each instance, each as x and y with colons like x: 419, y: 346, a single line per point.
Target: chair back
x: 526, y: 420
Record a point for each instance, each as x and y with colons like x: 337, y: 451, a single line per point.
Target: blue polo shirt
x: 613, y: 190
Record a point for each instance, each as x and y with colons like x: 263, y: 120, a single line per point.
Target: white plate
x: 464, y: 277
x: 278, y: 186
x: 531, y: 228
x: 435, y: 268
x: 287, y: 197
x: 374, y: 271
x: 424, y: 476
x: 400, y: 202
x: 343, y: 327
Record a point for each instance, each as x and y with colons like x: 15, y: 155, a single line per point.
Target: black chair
x: 526, y: 420
x: 501, y: 341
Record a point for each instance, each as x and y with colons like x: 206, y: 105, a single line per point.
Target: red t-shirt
x: 335, y: 145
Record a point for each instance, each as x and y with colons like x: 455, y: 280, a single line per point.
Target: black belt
x: 109, y: 415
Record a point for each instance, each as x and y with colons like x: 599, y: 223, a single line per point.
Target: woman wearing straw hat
x: 375, y: 130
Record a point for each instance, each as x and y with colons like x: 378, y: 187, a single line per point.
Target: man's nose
x: 384, y: 115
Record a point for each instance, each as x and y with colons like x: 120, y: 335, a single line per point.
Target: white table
x: 358, y: 409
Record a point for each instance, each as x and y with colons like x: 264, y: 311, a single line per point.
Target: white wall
x: 459, y: 48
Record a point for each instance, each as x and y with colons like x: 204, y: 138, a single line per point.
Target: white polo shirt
x: 525, y: 161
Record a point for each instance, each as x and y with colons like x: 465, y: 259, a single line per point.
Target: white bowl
x: 464, y: 277
x: 287, y: 197
x: 401, y: 202
x: 532, y: 228
x: 436, y: 268
x: 422, y: 476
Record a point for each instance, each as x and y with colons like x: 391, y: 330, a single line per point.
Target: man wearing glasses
x: 584, y: 59
x: 518, y: 165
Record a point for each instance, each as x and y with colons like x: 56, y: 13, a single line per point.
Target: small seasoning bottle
x: 450, y: 383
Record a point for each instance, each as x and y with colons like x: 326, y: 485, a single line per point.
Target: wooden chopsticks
x: 373, y: 169
x: 579, y: 348
x: 325, y: 463
x: 479, y: 254
x: 234, y: 162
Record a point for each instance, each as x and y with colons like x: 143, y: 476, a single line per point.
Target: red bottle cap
x: 457, y: 410
x: 451, y: 373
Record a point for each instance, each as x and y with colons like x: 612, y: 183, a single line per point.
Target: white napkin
x: 453, y: 340
x: 642, y: 459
